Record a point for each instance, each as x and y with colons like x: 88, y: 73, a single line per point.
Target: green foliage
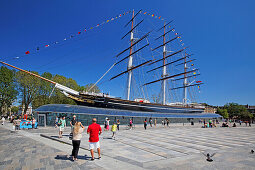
x: 88, y: 88
x: 237, y: 111
x: 223, y: 113
x: 28, y: 86
x: 15, y: 109
x: 8, y: 92
x: 44, y: 92
x: 57, y: 97
x: 34, y: 91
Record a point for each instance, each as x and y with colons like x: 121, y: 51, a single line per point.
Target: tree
x: 223, y: 113
x: 15, y: 109
x: 29, y: 87
x: 237, y: 111
x: 87, y: 88
x: 8, y: 92
x: 45, y: 90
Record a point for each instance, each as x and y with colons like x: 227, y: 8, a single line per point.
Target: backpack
x: 59, y: 123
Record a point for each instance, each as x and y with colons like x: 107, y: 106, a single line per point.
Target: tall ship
x: 172, y: 64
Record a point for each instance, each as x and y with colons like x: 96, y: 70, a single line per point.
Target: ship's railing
x: 97, y: 94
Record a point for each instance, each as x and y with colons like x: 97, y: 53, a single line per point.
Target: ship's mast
x: 185, y: 81
x: 130, y: 60
x: 164, y: 67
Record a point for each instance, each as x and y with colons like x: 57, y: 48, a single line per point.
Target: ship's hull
x: 120, y: 104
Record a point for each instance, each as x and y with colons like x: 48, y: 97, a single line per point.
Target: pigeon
x: 252, y: 151
x: 209, y: 157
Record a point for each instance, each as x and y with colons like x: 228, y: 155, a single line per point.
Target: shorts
x: 93, y: 145
x: 61, y: 129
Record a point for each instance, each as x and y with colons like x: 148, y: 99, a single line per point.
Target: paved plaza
x: 177, y: 147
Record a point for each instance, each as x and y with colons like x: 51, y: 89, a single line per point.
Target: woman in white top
x: 77, y: 135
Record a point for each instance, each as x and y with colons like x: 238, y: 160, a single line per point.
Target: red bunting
x: 47, y: 45
x: 27, y: 52
x: 79, y: 32
x: 198, y: 81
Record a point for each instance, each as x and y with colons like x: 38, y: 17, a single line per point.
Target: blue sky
x: 219, y: 33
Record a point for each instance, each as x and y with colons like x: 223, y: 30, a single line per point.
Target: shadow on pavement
x: 65, y: 157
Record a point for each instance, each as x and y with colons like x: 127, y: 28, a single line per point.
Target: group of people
x: 209, y: 124
x: 18, y: 122
x: 165, y: 122
x: 94, y: 130
x: 77, y: 129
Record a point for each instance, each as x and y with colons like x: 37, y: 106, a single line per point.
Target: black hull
x: 119, y: 104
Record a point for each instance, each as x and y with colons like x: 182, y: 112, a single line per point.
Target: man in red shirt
x: 94, y: 130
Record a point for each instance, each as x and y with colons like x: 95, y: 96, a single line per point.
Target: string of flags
x: 74, y: 35
x: 98, y: 25
x: 163, y: 19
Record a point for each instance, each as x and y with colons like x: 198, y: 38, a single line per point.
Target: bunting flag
x: 194, y: 73
x: 198, y: 81
x: 27, y: 52
x: 192, y: 64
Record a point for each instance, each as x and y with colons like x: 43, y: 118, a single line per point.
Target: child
x: 114, y: 128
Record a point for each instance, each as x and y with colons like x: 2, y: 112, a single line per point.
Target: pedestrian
x: 78, y: 128
x: 108, y: 124
x: 33, y: 123
x: 155, y: 122
x: 72, y: 122
x: 17, y: 123
x: 62, y: 125
x: 56, y: 122
x: 150, y: 121
x: 114, y: 128
x: 94, y: 130
x: 167, y: 122
x: 3, y: 120
x: 249, y: 123
x: 162, y: 122
x: 118, y: 124
x: 105, y: 124
x: 130, y: 124
x: 210, y: 123
x: 145, y: 124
